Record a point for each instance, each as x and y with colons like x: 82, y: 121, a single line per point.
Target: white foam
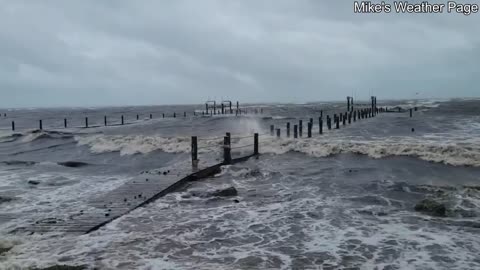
x: 134, y: 144
x: 453, y: 152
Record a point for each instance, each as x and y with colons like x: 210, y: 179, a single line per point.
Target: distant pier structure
x: 225, y: 107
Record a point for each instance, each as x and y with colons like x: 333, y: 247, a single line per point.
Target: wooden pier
x: 144, y: 189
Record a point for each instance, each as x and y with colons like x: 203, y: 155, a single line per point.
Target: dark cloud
x: 155, y: 52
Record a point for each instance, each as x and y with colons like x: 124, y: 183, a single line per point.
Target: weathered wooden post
x: 174, y: 115
x: 329, y: 122
x: 151, y: 116
x: 416, y: 109
x: 288, y: 130
x: 184, y: 114
x: 137, y: 117
x: 411, y: 113
x: 338, y: 122
x: 238, y: 105
x: 354, y: 116
x: 215, y: 107
x: 300, y: 128
x: 373, y: 103
x: 272, y: 129
x: 320, y: 125
x: 123, y: 122
x: 206, y: 108
x: 13, y: 125
x: 309, y: 131
x: 65, y: 122
x: 86, y: 122
x: 255, y: 144
x: 321, y: 114
x: 194, y: 152
x: 311, y: 120
x: 40, y: 124
x: 163, y: 115
x: 223, y: 108
x: 278, y: 133
x: 348, y: 103
x: 105, y: 120
x: 230, y: 104
x: 227, y: 155
x: 295, y: 131
x: 345, y: 119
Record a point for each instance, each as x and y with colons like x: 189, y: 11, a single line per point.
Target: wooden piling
x: 123, y: 122
x: 223, y: 109
x: 174, y: 115
x: 227, y: 154
x: 194, y: 152
x: 329, y: 122
x: 184, y: 114
x: 272, y: 130
x: 86, y: 122
x: 300, y: 128
x: 151, y: 116
x: 354, y: 116
x: 345, y: 119
x: 105, y: 120
x: 411, y: 113
x: 278, y: 133
x: 206, y: 108
x: 295, y: 131
x: 338, y: 122
x: 13, y: 125
x: 288, y: 130
x: 309, y: 131
x: 321, y: 114
x: 137, y: 117
x: 255, y: 144
x: 320, y: 125
x: 65, y: 122
x: 40, y: 124
x: 163, y: 115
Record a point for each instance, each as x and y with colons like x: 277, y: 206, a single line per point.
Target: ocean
x: 346, y: 199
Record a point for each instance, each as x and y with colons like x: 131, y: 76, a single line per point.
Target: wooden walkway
x: 134, y: 194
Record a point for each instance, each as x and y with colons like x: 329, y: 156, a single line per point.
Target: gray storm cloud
x: 73, y: 53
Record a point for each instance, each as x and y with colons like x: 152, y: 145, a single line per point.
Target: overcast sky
x: 94, y: 52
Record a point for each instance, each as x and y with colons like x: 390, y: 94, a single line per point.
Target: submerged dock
x: 144, y: 189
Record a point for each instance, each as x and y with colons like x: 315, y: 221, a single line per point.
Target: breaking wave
x: 451, y: 152
x: 33, y: 135
x: 135, y: 144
